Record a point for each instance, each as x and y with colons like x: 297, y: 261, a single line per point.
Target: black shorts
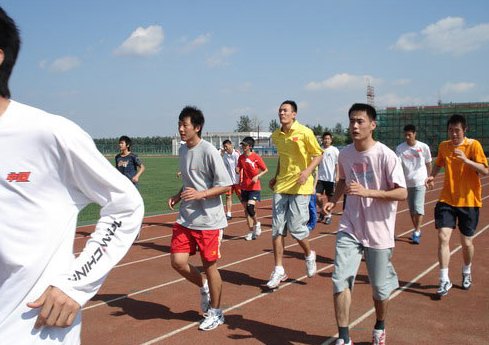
x: 325, y: 187
x: 446, y: 217
x: 248, y: 195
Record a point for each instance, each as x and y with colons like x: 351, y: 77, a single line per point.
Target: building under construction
x: 431, y: 123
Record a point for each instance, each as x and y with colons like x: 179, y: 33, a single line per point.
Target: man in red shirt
x: 250, y: 167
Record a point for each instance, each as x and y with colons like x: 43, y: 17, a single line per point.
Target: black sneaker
x: 466, y: 281
x: 327, y: 220
x: 444, y: 287
x: 320, y: 218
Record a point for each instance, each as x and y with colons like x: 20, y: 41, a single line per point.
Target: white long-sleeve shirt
x: 51, y: 170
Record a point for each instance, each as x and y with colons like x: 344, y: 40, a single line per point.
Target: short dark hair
x: 10, y: 44
x: 248, y: 141
x: 371, y: 112
x: 410, y: 128
x: 327, y: 133
x: 457, y: 118
x: 292, y: 104
x: 196, y: 117
x: 227, y: 141
x: 127, y: 140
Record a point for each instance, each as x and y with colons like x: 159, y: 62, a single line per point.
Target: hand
x: 135, y: 179
x: 255, y: 179
x: 355, y: 188
x: 328, y: 207
x: 58, y: 309
x: 272, y: 182
x: 179, y: 174
x: 303, y: 176
x: 192, y: 194
x: 430, y: 183
x: 175, y: 199
x: 460, y: 154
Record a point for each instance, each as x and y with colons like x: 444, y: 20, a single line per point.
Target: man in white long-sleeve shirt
x: 51, y: 170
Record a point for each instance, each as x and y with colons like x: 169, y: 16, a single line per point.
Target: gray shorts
x: 290, y: 211
x: 416, y: 199
x: 348, y: 255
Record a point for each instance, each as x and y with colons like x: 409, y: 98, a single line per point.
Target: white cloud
x: 449, y: 87
x: 43, y: 64
x: 393, y: 100
x: 344, y: 81
x: 63, y: 64
x: 405, y: 81
x: 219, y: 59
x: 142, y: 42
x: 195, y: 43
x: 448, y: 35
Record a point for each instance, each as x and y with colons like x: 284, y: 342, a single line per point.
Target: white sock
x: 444, y: 274
x: 328, y: 216
x: 216, y: 311
x: 417, y: 233
x: 205, y: 287
x: 311, y: 256
x: 229, y: 214
x: 466, y: 268
x: 279, y: 269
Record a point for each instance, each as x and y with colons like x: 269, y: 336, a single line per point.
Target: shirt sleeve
x: 479, y: 156
x: 90, y: 177
x: 427, y: 153
x: 394, y: 172
x: 137, y: 160
x: 221, y: 175
x: 341, y: 172
x: 312, y: 145
x: 261, y: 163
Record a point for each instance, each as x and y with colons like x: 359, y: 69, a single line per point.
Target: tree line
x: 143, y: 141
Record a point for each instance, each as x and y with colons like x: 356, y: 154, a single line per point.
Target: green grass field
x: 160, y: 181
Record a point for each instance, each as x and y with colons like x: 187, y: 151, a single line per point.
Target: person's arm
x: 139, y: 173
x: 90, y: 178
x: 304, y: 174
x: 338, y: 193
x: 175, y: 199
x: 315, y: 180
x: 262, y: 170
x: 272, y: 181
x: 396, y: 194
x: 428, y: 168
x: 429, y: 183
x: 478, y: 167
x: 337, y: 173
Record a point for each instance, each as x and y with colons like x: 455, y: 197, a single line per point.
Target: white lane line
x: 401, y: 289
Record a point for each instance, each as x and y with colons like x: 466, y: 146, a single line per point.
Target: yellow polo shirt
x: 462, y: 185
x: 295, y: 149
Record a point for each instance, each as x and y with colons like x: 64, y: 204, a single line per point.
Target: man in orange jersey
x: 463, y: 160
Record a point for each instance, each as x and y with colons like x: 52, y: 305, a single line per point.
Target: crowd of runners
x: 53, y: 170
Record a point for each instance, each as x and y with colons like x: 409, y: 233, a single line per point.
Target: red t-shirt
x: 250, y: 166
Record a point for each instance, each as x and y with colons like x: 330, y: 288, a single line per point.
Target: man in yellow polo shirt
x: 461, y: 197
x: 299, y: 153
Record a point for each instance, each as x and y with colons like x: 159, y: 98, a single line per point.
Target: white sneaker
x: 250, y: 236
x: 212, y: 319
x: 257, y: 229
x: 275, y: 279
x: 342, y: 342
x: 311, y: 264
x: 378, y: 337
x: 205, y: 300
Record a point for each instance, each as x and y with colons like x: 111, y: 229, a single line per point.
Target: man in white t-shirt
x: 230, y: 157
x: 371, y: 174
x: 416, y: 162
x: 327, y: 176
x: 52, y: 170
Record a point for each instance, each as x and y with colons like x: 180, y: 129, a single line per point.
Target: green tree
x: 338, y: 129
x: 274, y: 125
x: 244, y: 124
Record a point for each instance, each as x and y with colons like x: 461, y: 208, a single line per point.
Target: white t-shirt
x: 202, y: 168
x: 370, y: 221
x: 231, y: 162
x: 51, y: 170
x: 327, y: 167
x: 414, y: 159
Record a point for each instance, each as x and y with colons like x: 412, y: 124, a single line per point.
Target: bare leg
x: 278, y: 249
x: 417, y: 221
x: 305, y: 246
x: 381, y: 308
x: 444, y: 247
x: 179, y: 261
x: 214, y: 281
x: 229, y: 203
x: 342, y: 302
x: 467, y: 249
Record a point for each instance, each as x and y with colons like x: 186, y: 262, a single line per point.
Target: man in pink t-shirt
x: 372, y: 177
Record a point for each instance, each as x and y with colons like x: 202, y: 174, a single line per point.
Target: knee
x: 250, y: 208
x: 178, y: 265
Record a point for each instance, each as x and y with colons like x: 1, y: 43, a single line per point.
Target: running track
x: 144, y: 301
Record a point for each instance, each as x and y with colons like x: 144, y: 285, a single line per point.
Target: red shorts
x: 186, y: 240
x: 235, y: 189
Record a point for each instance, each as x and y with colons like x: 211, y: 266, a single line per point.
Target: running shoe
x: 327, y: 220
x: 205, y: 300
x: 416, y: 238
x: 444, y: 287
x: 321, y: 218
x: 250, y: 236
x: 228, y: 217
x: 466, y: 281
x: 276, y: 279
x: 212, y: 319
x: 340, y: 341
x: 311, y: 265
x: 257, y: 229
x: 378, y: 337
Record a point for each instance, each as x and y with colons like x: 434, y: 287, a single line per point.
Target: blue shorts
x: 446, y: 217
x: 248, y: 195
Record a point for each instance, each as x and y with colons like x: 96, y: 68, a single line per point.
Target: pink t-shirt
x: 370, y: 221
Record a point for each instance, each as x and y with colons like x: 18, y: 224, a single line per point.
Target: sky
x: 129, y: 67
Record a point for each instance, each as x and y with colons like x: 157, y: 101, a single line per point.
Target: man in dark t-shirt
x: 127, y: 162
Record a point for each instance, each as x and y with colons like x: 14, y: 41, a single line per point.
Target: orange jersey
x: 462, y: 186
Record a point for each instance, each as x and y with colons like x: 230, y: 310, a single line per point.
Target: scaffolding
x: 431, y: 123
